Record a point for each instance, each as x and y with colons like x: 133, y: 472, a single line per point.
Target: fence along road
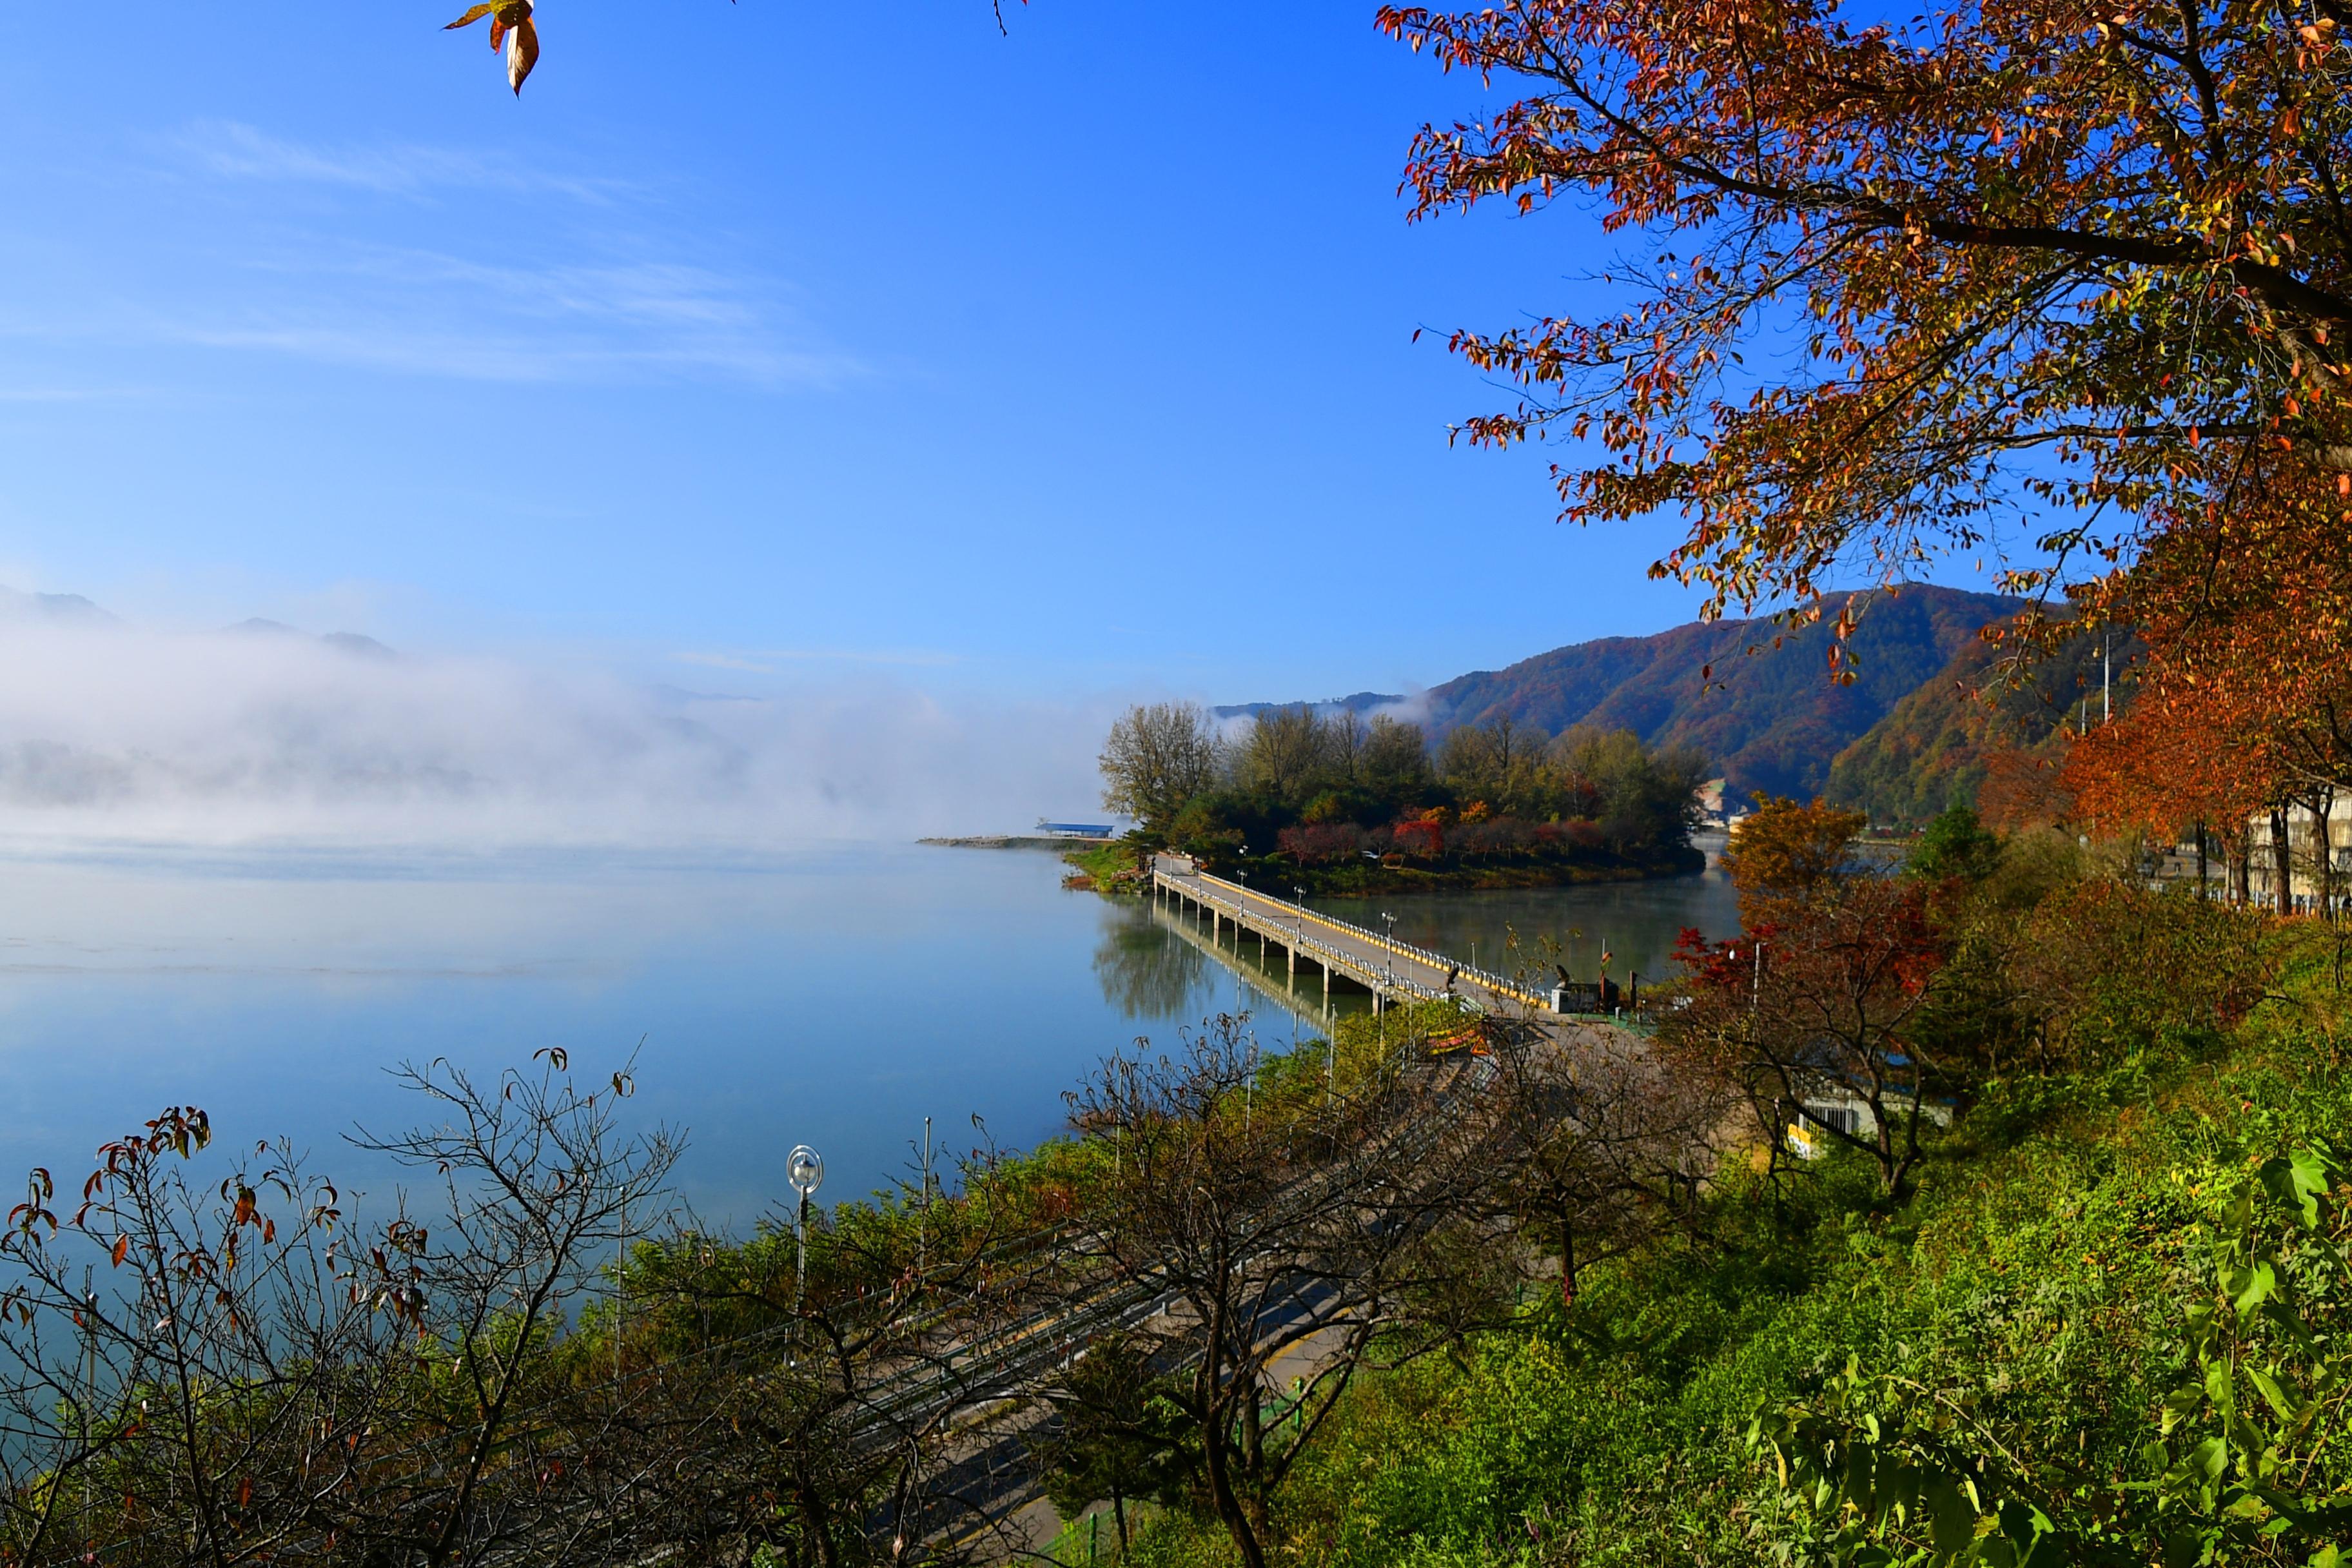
x: 1390, y: 970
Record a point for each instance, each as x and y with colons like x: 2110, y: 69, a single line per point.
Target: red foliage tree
x: 1422, y: 837
x: 2088, y: 263
x: 1815, y: 1004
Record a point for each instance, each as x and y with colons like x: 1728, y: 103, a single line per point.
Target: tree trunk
x: 2202, y: 891
x: 1118, y: 1512
x: 1254, y: 1453
x: 820, y: 1520
x: 2323, y: 872
x: 1217, y: 1398
x: 1218, y: 1460
x: 2282, y: 865
x: 1567, y: 1263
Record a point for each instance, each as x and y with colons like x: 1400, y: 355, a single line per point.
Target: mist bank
x: 261, y: 735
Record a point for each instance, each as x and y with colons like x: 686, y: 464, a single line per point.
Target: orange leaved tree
x: 2090, y: 266
x: 1786, y: 849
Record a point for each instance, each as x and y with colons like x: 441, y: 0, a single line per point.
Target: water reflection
x: 1142, y: 972
x: 1636, y: 923
x: 1262, y: 979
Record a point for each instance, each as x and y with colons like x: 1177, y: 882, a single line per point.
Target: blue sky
x: 777, y: 337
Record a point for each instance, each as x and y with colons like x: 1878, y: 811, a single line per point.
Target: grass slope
x: 2037, y: 1282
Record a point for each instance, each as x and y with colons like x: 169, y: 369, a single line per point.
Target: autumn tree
x: 223, y: 1364
x: 1638, y: 796
x: 1158, y: 756
x: 1270, y: 1215
x: 1789, y: 849
x: 1489, y: 760
x: 1347, y: 735
x: 2087, y: 268
x: 2227, y: 729
x: 1819, y: 1006
x: 2094, y: 265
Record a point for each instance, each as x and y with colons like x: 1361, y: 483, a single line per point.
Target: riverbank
x: 1111, y: 869
x: 1006, y: 841
x: 1368, y: 878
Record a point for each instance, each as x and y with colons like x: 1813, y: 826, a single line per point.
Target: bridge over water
x: 1391, y: 970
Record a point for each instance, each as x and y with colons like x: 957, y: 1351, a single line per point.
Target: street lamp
x: 805, y: 1170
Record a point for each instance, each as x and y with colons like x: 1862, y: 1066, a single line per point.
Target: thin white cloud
x: 232, y: 149
x: 412, y: 311
x: 517, y: 275
x: 393, y: 344
x: 67, y: 394
x: 726, y: 661
x: 769, y: 660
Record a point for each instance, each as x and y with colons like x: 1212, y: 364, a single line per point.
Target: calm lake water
x: 836, y: 996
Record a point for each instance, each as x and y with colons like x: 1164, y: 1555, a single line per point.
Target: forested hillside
x: 1932, y: 747
x: 1766, y: 714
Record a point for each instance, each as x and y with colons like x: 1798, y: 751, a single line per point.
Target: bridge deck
x: 1390, y: 970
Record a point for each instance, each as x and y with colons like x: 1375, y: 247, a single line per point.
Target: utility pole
x: 923, y: 1217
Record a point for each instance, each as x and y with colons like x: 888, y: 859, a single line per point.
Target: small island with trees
x: 1342, y: 803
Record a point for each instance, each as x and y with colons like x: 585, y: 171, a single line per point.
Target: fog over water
x: 111, y: 734
x: 251, y: 870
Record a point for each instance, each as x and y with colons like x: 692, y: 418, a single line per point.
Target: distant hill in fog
x: 55, y: 608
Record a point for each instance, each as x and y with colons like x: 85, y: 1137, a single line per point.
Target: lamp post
x: 1241, y: 874
x: 805, y: 1170
x: 923, y: 1219
x: 1249, y: 1087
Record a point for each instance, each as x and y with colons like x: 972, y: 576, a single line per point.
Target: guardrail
x: 1238, y: 910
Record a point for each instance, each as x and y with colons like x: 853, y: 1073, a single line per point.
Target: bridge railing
x: 1239, y: 910
x: 1239, y: 905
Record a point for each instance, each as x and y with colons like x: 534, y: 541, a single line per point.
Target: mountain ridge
x: 1755, y: 696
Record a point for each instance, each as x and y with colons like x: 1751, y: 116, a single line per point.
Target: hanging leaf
x: 522, y: 53
x: 512, y: 29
